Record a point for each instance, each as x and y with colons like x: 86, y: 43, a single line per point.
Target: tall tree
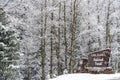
x: 8, y: 55
x: 98, y: 22
x: 107, y: 25
x: 58, y: 42
x: 88, y: 14
x: 42, y: 47
x: 65, y: 34
x: 51, y: 41
x: 43, y: 40
x: 73, y: 30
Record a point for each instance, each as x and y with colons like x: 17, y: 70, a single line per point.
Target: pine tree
x: 8, y: 55
x: 3, y: 18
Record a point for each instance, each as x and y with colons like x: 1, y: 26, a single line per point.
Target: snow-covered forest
x: 42, y: 38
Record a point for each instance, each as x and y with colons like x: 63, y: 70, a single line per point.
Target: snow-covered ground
x: 88, y: 77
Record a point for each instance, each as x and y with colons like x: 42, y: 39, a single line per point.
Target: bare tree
x: 73, y: 30
x: 107, y: 26
x: 65, y: 33
x: 51, y: 44
x: 88, y: 14
x: 43, y: 40
x: 98, y: 22
x: 58, y: 42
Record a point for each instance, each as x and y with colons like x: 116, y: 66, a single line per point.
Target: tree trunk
x: 98, y: 21
x: 43, y: 34
x: 73, y: 30
x: 58, y: 42
x: 107, y: 26
x: 51, y: 44
x: 51, y: 53
x: 65, y: 34
x: 89, y: 42
x: 43, y: 54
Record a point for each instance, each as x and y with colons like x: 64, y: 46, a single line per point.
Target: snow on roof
x: 86, y: 76
x: 99, y: 51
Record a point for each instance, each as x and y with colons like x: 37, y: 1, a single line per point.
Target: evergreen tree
x: 8, y: 55
x: 3, y: 18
